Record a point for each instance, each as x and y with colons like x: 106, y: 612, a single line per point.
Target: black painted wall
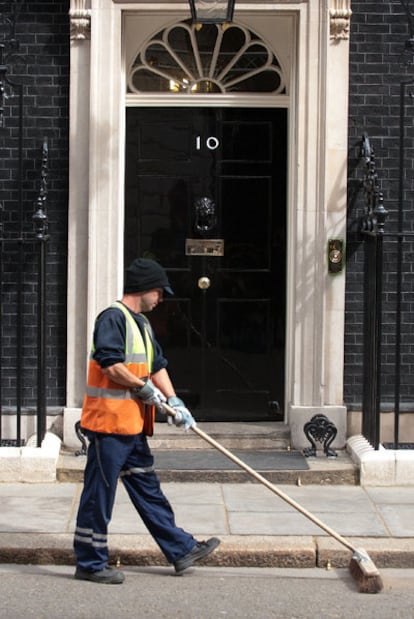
x: 378, y: 34
x: 41, y: 66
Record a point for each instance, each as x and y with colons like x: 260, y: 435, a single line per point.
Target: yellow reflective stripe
x: 133, y: 339
x: 136, y: 350
x: 134, y: 342
x: 149, y: 346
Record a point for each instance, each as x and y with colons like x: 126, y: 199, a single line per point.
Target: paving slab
x: 399, y: 495
x: 256, y: 527
x: 321, y: 498
x: 399, y: 519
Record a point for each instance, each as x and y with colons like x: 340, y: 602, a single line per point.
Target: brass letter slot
x: 204, y: 247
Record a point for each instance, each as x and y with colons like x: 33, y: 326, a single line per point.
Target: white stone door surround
x: 317, y: 65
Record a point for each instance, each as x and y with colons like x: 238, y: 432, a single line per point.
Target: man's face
x: 150, y: 299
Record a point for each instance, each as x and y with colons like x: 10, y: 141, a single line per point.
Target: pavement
x: 257, y: 528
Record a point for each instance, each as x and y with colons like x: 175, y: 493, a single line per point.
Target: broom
x: 361, y: 566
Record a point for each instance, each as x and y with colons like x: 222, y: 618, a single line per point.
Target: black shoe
x: 200, y: 550
x: 107, y: 576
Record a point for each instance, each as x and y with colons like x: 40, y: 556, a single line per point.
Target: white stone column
x: 95, y: 256
x: 319, y: 298
x: 77, y: 287
x: 106, y: 160
x: 317, y: 199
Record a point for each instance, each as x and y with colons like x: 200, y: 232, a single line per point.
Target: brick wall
x: 41, y: 66
x: 378, y: 34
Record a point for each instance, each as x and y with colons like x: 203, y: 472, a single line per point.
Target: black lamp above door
x: 212, y: 11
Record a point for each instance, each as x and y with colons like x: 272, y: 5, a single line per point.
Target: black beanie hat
x: 143, y: 274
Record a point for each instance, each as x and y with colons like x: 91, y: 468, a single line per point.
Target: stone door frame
x: 318, y: 112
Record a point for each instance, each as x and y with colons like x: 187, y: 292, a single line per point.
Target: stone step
x: 186, y: 457
x: 250, y: 435
x: 320, y: 471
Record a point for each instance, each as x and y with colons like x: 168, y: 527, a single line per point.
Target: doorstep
x: 185, y: 457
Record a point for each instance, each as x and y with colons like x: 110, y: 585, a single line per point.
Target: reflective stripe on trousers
x: 130, y: 458
x: 136, y: 470
x: 88, y: 536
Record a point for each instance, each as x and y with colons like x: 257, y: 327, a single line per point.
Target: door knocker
x: 205, y: 210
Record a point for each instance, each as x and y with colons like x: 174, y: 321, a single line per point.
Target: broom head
x: 364, y: 571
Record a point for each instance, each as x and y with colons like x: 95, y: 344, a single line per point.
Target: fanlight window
x: 187, y: 58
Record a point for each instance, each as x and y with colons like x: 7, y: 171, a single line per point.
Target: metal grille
x: 373, y: 230
x: 5, y: 442
x: 23, y: 255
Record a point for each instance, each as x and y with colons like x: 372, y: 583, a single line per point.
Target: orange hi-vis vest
x: 109, y: 407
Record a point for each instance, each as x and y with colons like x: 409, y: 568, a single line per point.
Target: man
x: 127, y: 381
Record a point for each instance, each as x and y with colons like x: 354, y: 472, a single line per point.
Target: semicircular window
x: 185, y: 58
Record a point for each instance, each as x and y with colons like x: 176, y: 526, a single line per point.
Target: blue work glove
x: 151, y: 395
x: 182, y: 417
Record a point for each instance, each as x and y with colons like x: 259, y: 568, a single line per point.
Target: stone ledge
x: 31, y: 464
x: 386, y: 553
x: 382, y: 467
x: 141, y: 550
x: 234, y: 551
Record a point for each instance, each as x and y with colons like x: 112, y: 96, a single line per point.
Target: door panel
x: 195, y: 176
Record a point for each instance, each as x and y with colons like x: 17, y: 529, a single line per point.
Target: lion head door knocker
x: 205, y: 212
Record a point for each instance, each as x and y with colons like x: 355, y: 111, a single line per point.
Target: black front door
x: 206, y: 196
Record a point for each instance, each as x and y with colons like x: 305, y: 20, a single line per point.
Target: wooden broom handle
x: 170, y: 411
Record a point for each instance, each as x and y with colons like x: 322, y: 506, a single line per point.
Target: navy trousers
x: 129, y: 457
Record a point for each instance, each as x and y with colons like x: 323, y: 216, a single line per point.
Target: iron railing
x: 372, y: 228
x: 23, y: 258
x: 376, y: 239
x: 14, y: 365
x: 402, y: 235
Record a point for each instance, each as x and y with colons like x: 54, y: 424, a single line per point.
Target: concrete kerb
x: 141, y: 550
x: 389, y: 553
x: 234, y: 551
x: 382, y: 467
x: 31, y: 464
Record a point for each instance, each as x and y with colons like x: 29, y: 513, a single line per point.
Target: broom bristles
x: 365, y: 572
